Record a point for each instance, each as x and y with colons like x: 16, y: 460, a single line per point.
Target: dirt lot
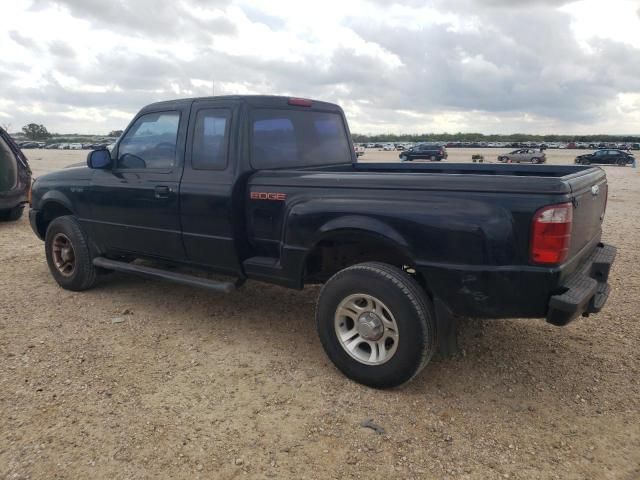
x: 196, y: 385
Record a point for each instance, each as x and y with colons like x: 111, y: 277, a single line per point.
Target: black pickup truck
x: 268, y: 188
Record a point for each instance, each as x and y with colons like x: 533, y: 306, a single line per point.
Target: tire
x: 433, y: 158
x: 535, y: 160
x: 82, y: 274
x: 403, y: 303
x: 13, y: 214
x: 404, y: 158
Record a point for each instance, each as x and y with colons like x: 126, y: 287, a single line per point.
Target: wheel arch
x: 349, y: 240
x: 52, y: 206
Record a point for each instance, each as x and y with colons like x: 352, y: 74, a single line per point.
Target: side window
x: 210, y: 140
x: 150, y: 142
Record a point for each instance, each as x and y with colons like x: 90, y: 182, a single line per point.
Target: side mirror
x: 100, y: 159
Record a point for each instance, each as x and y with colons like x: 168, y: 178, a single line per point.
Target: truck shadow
x: 507, y: 359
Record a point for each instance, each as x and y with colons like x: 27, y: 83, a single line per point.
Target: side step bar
x: 191, y: 280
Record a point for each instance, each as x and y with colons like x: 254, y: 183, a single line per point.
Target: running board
x: 191, y: 280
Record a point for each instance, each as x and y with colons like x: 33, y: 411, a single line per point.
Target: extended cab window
x: 150, y: 142
x: 286, y: 138
x: 210, y: 139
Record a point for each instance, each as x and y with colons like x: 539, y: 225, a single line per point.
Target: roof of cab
x: 254, y: 100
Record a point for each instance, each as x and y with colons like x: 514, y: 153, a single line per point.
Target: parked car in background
x: 523, y: 155
x: 635, y: 146
x: 359, y: 149
x: 388, y: 147
x: 606, y: 156
x: 424, y: 151
x: 75, y: 146
x: 31, y: 145
x: 15, y: 178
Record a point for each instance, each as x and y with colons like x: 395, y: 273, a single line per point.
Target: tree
x: 115, y: 133
x: 33, y: 131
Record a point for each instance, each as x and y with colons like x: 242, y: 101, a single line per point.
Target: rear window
x: 286, y: 138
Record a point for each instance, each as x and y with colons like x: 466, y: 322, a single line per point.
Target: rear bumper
x: 587, y: 289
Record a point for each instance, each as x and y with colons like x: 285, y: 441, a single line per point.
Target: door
x: 134, y: 206
x: 206, y: 191
x: 518, y: 156
x: 601, y: 156
x: 422, y: 152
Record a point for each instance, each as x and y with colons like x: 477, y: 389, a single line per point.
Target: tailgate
x: 589, y: 196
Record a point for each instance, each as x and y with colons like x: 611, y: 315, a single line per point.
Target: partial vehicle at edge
x: 15, y: 179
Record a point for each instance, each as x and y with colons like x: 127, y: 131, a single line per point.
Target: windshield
x: 288, y: 138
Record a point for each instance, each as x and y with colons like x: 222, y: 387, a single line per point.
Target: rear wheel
x: 376, y: 324
x: 433, y: 158
x: 535, y: 160
x: 68, y: 254
x: 13, y: 214
x: 621, y: 162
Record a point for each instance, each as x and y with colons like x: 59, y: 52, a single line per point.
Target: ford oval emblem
x: 595, y: 190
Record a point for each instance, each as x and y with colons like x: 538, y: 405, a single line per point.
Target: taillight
x: 300, y: 102
x: 551, y: 234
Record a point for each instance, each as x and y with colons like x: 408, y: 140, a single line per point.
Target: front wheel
x: 535, y: 160
x: 404, y: 158
x: 68, y: 254
x: 376, y: 324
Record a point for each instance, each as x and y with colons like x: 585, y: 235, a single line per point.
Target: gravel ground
x: 145, y: 379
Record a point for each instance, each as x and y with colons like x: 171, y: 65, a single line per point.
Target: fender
x: 363, y: 223
x: 295, y: 258
x: 55, y: 196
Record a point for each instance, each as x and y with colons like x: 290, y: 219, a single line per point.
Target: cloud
x: 22, y: 40
x: 149, y: 17
x: 61, y: 49
x: 490, y: 65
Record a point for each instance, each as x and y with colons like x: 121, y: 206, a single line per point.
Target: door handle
x: 162, y: 191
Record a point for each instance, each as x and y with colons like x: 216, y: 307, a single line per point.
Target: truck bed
x: 452, y: 218
x: 507, y: 178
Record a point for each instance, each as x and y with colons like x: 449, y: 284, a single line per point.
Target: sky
x: 490, y: 66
